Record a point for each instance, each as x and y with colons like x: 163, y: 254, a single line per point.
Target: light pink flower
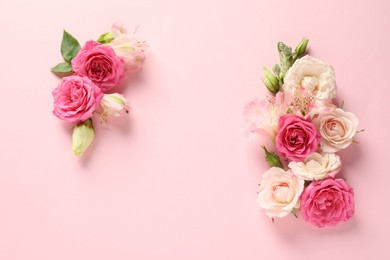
x: 128, y: 47
x: 297, y: 137
x: 264, y: 115
x: 327, y: 202
x: 76, y: 98
x: 279, y: 192
x: 337, y: 128
x: 316, y: 166
x: 312, y: 76
x: 99, y: 63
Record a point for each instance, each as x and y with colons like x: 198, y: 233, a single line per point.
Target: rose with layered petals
x: 279, y: 192
x: 312, y: 76
x: 99, y: 63
x: 76, y: 98
x: 337, y: 128
x: 297, y: 137
x: 316, y: 166
x: 327, y: 202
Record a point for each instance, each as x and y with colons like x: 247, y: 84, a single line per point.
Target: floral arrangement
x: 88, y: 76
x: 307, y: 129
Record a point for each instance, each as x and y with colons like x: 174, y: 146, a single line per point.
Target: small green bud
x: 301, y: 48
x: 106, y: 38
x: 272, y: 158
x: 270, y: 81
x: 83, y: 135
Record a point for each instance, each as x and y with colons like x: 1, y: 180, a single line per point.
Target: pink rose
x: 327, y: 202
x: 297, y: 137
x: 99, y: 63
x: 76, y: 98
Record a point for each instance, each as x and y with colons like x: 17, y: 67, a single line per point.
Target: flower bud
x: 270, y: 81
x: 106, y: 38
x: 301, y: 48
x: 83, y: 135
x: 272, y: 158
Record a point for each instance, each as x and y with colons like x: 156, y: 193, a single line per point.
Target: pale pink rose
x: 337, y: 128
x: 316, y: 166
x: 128, y: 47
x: 99, y: 63
x: 297, y: 137
x: 264, y: 115
x: 327, y: 202
x: 279, y: 192
x: 76, y: 98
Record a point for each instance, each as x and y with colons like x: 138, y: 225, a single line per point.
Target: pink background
x: 178, y: 178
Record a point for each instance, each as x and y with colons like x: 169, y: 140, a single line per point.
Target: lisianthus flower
x: 313, y: 76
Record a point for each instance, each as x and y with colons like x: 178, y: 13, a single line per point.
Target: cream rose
x: 337, y: 128
x: 279, y: 192
x: 316, y: 166
x: 311, y: 75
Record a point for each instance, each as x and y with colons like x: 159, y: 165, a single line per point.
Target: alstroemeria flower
x: 264, y: 115
x: 128, y: 47
x: 113, y: 105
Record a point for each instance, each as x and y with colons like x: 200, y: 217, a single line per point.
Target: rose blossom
x: 316, y: 166
x: 297, y: 137
x: 99, y: 63
x: 337, y: 128
x: 327, y: 202
x: 265, y: 114
x: 76, y: 98
x: 279, y: 192
x: 311, y: 75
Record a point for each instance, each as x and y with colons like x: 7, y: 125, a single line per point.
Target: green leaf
x: 272, y: 158
x: 286, y: 58
x: 69, y: 46
x: 63, y: 67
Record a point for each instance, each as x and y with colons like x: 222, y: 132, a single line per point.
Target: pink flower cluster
x: 91, y: 72
x: 307, y: 129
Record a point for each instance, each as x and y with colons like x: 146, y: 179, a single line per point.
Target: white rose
x: 311, y: 75
x: 337, y: 129
x: 279, y: 192
x: 316, y: 166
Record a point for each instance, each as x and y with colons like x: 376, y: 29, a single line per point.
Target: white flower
x: 316, y: 166
x: 114, y: 105
x: 337, y: 129
x: 128, y: 47
x: 279, y: 192
x: 312, y: 76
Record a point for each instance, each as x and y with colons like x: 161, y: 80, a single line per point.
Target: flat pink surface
x: 178, y: 178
